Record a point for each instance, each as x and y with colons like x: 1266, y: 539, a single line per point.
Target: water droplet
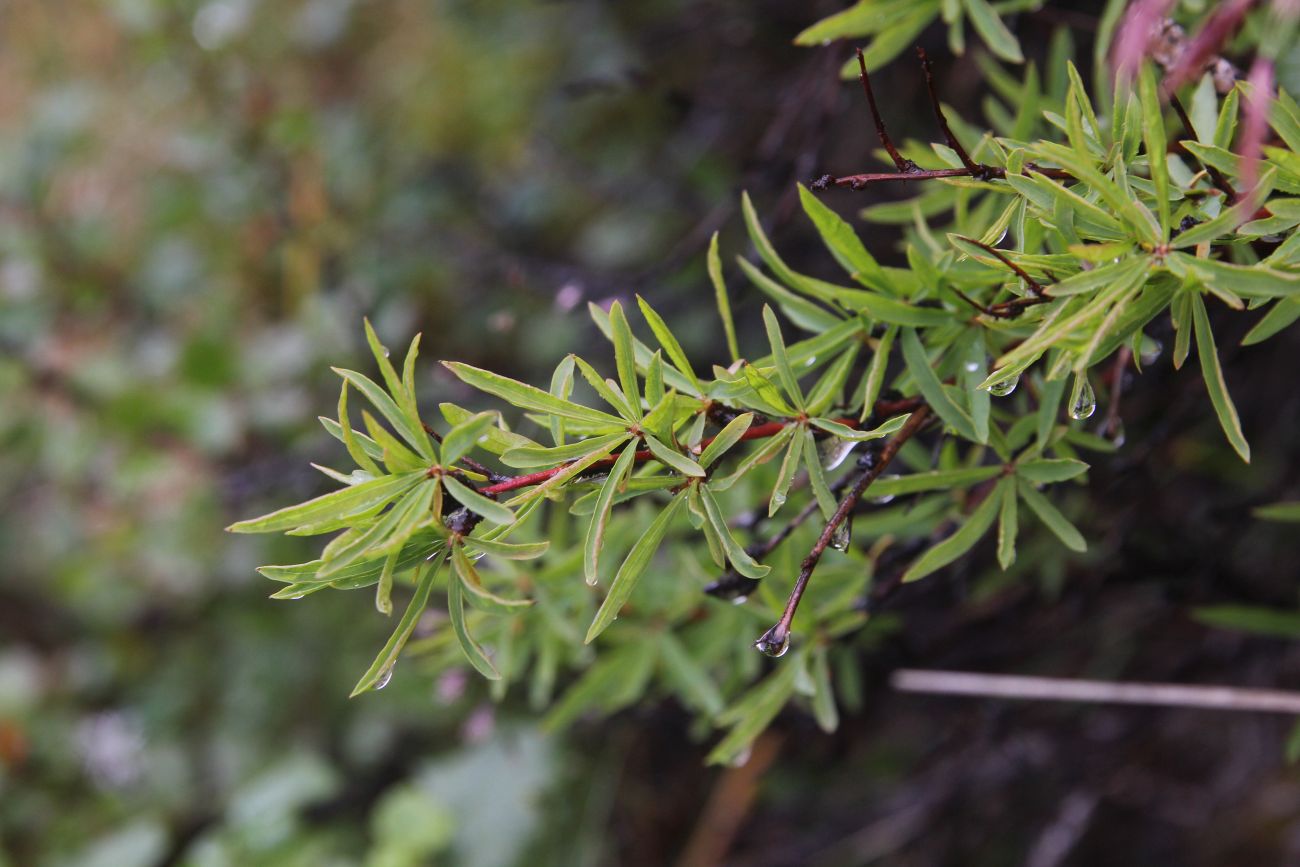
x: 384, y: 677
x: 1005, y: 387
x: 1083, y: 402
x: 1000, y: 239
x: 833, y: 451
x: 1150, y: 350
x: 740, y: 759
x: 591, y: 580
x: 778, y: 500
x: 1117, y: 433
x: 740, y: 600
x: 972, y: 366
x: 812, y: 359
x: 298, y: 596
x: 887, y: 498
x: 843, y: 535
x: 774, y: 643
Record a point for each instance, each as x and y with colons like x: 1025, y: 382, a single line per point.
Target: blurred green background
x: 199, y: 201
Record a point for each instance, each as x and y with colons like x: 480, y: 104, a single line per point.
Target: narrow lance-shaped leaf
x: 600, y: 515
x: 382, y: 668
x: 726, y: 438
x: 350, y: 439
x: 638, y: 559
x: 1051, y: 516
x: 957, y: 544
x: 624, y: 354
x: 456, y: 610
x: 918, y: 364
x: 476, y: 502
x: 673, y: 459
x: 784, y: 477
x: 407, y: 424
x: 736, y: 553
x: 669, y: 342
x: 463, y: 437
x: 1008, y: 522
x: 1214, y: 381
x: 686, y: 674
x: 788, y: 380
x: 1153, y: 133
x: 338, y: 504
x: 875, y: 377
x: 724, y: 303
x: 527, y: 397
x: 478, y: 595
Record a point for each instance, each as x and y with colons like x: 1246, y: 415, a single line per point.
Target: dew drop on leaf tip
x: 1005, y: 387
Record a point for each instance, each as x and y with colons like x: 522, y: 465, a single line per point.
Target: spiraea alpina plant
x: 649, y: 529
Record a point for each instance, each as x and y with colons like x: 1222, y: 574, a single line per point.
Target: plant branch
x: 761, y: 431
x: 901, y: 163
x: 976, y: 171
x: 779, y: 635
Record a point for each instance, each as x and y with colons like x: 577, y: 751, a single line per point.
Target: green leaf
x: 471, y: 648
x: 539, y: 456
x: 479, y: 596
x: 1214, y: 382
x: 957, y: 544
x: 464, y: 436
x: 385, y: 535
x: 638, y: 559
x: 391, y: 380
x: 384, y: 589
x: 508, y: 550
x: 788, y: 380
x: 756, y: 458
x: 673, y: 459
x: 875, y: 377
x: 353, y: 500
x: 823, y: 701
x: 624, y: 354
x: 934, y: 480
x: 720, y: 292
x: 817, y: 476
x: 527, y: 397
x: 669, y: 342
x: 1046, y: 470
x: 740, y: 559
x: 381, y: 669
x: 687, y: 676
x: 1051, y: 516
x: 845, y: 432
x: 1285, y: 511
x: 1153, y: 133
x: 1279, y: 316
x: 753, y: 713
x: 600, y: 515
x: 476, y: 502
x: 1008, y: 522
x: 785, y: 476
x: 843, y: 243
x: 406, y: 424
x: 1246, y: 618
x: 918, y: 364
x: 397, y: 457
x: 726, y: 438
x: 351, y: 440
x: 609, y: 392
x: 991, y: 29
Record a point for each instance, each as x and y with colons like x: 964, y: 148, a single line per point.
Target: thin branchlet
x: 779, y: 634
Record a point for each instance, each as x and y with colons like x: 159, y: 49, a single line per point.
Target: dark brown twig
x: 900, y: 162
x: 976, y: 171
x: 779, y: 635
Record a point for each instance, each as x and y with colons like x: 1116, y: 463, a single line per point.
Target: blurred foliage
x: 198, y: 202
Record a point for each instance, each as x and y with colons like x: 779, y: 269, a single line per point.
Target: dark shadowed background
x: 198, y: 203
